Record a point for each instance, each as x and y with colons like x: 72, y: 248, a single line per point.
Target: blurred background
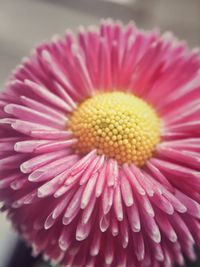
x: 25, y: 23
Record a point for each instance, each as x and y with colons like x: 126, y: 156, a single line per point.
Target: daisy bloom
x: 100, y: 148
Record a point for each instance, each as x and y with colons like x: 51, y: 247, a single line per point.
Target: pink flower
x: 100, y: 148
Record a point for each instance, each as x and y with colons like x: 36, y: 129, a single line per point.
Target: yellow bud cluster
x: 117, y: 124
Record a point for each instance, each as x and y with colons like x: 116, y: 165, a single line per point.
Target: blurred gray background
x: 25, y: 23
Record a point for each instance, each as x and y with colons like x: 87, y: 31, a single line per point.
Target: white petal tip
x: 173, y: 238
x: 34, y: 176
x: 23, y: 168
x: 27, y: 82
x: 156, y: 237
x: 136, y: 229
x: 8, y: 109
x: 46, y: 55
x: 66, y: 220
x: 40, y: 193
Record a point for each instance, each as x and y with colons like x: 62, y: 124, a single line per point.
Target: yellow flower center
x: 117, y: 124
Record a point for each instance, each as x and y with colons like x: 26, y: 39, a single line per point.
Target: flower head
x: 100, y: 157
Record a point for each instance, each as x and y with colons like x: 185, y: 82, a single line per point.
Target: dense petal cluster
x: 89, y: 209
